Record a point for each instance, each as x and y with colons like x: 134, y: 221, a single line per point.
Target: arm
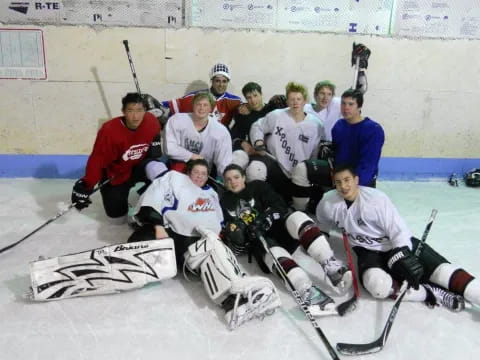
x: 325, y: 219
x: 172, y: 140
x: 370, y: 151
x: 262, y: 127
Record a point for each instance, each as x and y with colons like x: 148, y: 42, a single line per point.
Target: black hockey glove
x: 81, y: 195
x: 155, y: 149
x: 325, y: 150
x: 154, y: 106
x: 404, y: 265
x: 362, y: 52
x: 263, y: 222
x: 235, y: 237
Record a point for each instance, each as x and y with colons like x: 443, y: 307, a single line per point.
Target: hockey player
x: 245, y: 116
x: 255, y: 206
x: 326, y: 107
x: 384, y: 247
x: 120, y: 148
x: 184, y: 208
x: 190, y: 136
x: 225, y: 103
x: 290, y: 135
x: 358, y: 140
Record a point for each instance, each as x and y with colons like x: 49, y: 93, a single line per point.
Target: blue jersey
x: 359, y: 145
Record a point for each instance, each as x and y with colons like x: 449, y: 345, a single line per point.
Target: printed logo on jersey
x: 135, y: 152
x: 284, y: 144
x: 192, y: 145
x: 244, y: 211
x: 202, y: 205
x: 360, y: 222
x: 216, y: 115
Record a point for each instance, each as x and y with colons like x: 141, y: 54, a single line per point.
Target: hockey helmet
x: 472, y: 178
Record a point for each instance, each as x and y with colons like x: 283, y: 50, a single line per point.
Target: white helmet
x: 220, y: 69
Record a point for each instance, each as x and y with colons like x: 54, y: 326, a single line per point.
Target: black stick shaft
x: 49, y: 221
x: 132, y: 67
x: 299, y: 300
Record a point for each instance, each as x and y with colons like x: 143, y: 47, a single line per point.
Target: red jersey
x: 118, y: 149
x: 223, y: 112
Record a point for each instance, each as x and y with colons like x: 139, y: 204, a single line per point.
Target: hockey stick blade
x: 347, y: 306
x: 377, y: 345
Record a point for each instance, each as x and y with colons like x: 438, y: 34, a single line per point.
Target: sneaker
x: 319, y: 303
x: 436, y: 295
x: 257, y: 304
x: 339, y: 274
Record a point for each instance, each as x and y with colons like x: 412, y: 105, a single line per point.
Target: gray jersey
x: 327, y: 117
x: 288, y: 141
x: 371, y: 222
x: 181, y: 140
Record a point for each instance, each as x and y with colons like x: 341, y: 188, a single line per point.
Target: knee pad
x: 216, y: 263
x: 302, y: 228
x: 155, y: 169
x: 240, y: 158
x: 256, y: 170
x: 377, y: 282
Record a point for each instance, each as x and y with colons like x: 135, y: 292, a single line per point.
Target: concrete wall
x: 423, y: 92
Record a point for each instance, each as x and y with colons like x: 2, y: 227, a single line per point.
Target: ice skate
x: 437, y: 295
x: 339, y: 274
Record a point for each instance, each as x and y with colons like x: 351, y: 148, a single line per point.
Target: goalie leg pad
x: 105, y: 270
x: 217, y: 264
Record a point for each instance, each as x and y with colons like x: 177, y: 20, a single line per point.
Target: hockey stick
x: 377, y: 345
x: 350, y: 264
x: 299, y: 299
x: 59, y: 214
x: 355, y: 75
x: 132, y: 67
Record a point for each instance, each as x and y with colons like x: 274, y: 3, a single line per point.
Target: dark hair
x: 133, y: 98
x: 251, y: 87
x: 322, y: 84
x: 345, y: 167
x: 234, y: 167
x: 355, y: 94
x: 192, y: 163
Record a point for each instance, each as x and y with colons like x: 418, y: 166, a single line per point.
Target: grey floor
x: 175, y: 320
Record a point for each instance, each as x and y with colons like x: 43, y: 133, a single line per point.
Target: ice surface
x: 175, y: 320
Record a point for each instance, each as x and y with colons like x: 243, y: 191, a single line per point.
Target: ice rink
x: 175, y: 320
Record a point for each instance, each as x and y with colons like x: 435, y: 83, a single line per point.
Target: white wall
x: 423, y: 92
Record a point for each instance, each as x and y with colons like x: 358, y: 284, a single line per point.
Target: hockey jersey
x: 359, y: 145
x: 225, y: 106
x: 288, y: 141
x: 371, y: 221
x: 118, y: 149
x: 182, y: 204
x: 327, y: 117
x: 182, y: 139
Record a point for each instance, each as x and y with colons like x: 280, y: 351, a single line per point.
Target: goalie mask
x: 472, y: 178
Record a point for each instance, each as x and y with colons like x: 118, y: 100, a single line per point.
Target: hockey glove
x: 81, y: 195
x: 260, y: 146
x: 325, y: 150
x: 404, y: 265
x: 362, y: 52
x: 154, y: 106
x: 277, y: 102
x: 235, y: 237
x: 155, y: 149
x: 263, y: 222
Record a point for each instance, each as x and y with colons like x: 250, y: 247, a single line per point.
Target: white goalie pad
x: 105, y: 270
x: 216, y: 263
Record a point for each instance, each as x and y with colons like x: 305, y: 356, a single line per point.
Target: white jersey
x: 327, y: 117
x: 181, y: 140
x: 289, y: 142
x: 183, y: 204
x: 371, y: 221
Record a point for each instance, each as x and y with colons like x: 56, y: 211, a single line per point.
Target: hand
x: 362, y: 52
x: 247, y: 147
x: 404, y: 265
x: 260, y: 148
x: 243, y: 109
x: 81, y: 195
x: 277, y: 102
x: 196, y: 157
